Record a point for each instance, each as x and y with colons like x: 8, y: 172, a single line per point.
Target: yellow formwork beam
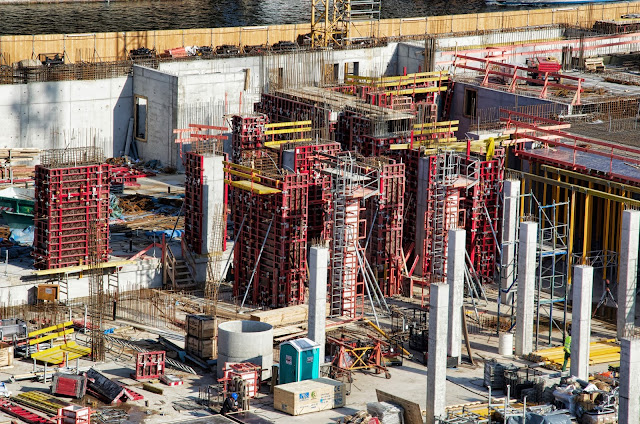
x: 435, y: 130
x: 253, y: 187
x: 58, y: 354
x: 51, y: 328
x: 288, y: 124
x: 287, y: 131
x: 436, y: 124
x: 577, y: 188
x: 51, y: 337
x: 279, y: 142
x: 80, y: 268
x: 417, y: 90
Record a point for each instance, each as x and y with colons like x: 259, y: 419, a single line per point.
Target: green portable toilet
x: 299, y: 360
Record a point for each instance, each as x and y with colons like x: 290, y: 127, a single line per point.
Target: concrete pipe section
x: 245, y: 341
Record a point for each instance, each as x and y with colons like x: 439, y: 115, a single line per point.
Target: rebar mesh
x: 73, y: 156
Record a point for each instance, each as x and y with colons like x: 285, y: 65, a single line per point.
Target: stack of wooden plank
x: 600, y: 352
x: 201, y: 336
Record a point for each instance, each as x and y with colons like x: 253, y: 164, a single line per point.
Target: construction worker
x: 230, y: 404
x: 567, y: 348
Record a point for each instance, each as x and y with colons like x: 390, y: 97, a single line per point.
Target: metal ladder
x: 341, y: 188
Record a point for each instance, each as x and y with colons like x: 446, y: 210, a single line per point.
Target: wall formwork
x: 72, y: 205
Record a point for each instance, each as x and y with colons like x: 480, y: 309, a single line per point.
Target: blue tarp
x: 167, y: 233
x: 23, y: 237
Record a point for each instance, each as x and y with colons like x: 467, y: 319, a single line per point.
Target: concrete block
x: 526, y: 287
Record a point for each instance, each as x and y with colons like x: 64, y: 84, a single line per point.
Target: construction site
x: 353, y: 220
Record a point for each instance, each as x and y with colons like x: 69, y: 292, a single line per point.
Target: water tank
x: 245, y: 341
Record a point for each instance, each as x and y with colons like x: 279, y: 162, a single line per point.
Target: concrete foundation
x: 511, y: 193
x: 455, y: 278
x: 629, y: 403
x: 245, y: 341
x: 628, y: 279
x: 526, y: 287
x: 318, y: 264
x: 581, y: 322
x: 437, y: 348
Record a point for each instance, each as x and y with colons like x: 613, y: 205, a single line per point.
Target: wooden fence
x: 112, y: 46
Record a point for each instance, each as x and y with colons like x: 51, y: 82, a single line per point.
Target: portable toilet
x: 299, y: 360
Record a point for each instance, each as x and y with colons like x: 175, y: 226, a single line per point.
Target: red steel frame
x: 247, y: 135
x: 513, y: 73
x: 193, y: 197
x: 246, y: 371
x: 305, y: 162
x: 150, y: 365
x: 483, y: 213
x: 384, y: 214
x: 548, y: 135
x: 68, y: 202
x: 281, y: 271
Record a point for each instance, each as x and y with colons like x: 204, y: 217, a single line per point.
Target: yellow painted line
x: 287, y: 124
x: 80, y: 268
x: 253, y: 187
x: 51, y: 328
x: 50, y: 337
x: 287, y: 131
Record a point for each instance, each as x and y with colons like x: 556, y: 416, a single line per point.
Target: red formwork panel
x: 68, y: 201
x: 281, y: 107
x: 483, y: 214
x: 247, y: 135
x: 193, y: 196
x: 149, y: 365
x: 281, y: 272
x: 306, y: 161
x: 385, y: 218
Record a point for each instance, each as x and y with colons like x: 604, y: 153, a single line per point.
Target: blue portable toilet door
x: 309, y: 364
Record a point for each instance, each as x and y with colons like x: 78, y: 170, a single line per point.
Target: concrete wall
x: 145, y: 273
x: 30, y: 113
x: 160, y: 90
x: 486, y: 98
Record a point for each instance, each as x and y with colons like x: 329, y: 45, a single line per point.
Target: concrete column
x: 437, y: 350
x: 318, y: 264
x: 526, y: 287
x: 511, y: 193
x: 212, y: 201
x: 629, y: 403
x: 421, y: 210
x: 581, y: 320
x: 628, y: 272
x: 455, y: 278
